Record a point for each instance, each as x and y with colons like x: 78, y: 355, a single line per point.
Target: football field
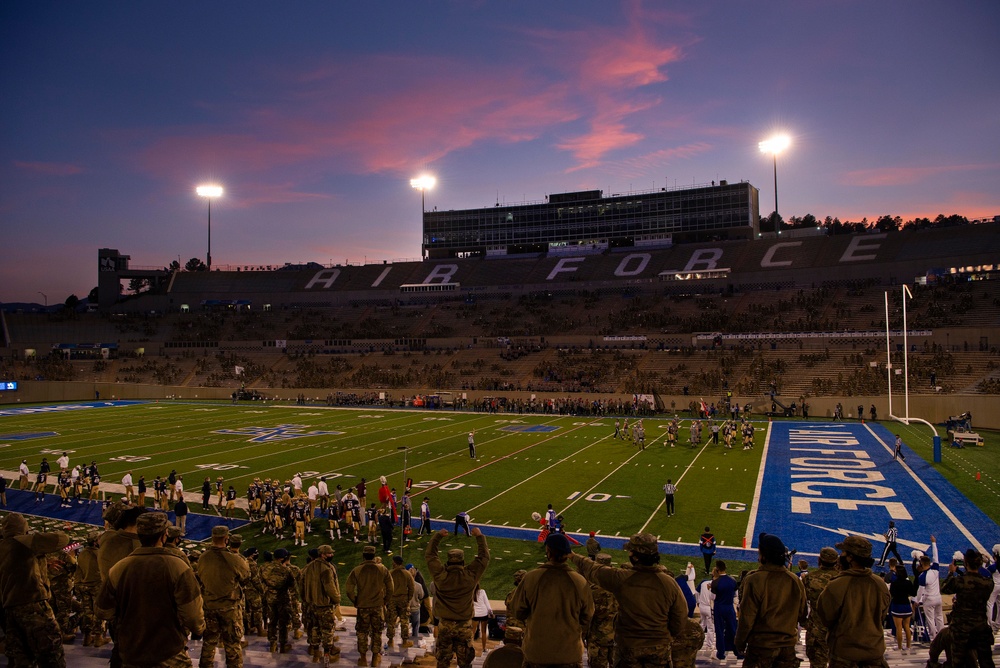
x: 810, y: 483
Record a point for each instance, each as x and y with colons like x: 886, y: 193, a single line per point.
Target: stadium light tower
x: 423, y: 183
x: 209, y: 192
x: 774, y: 146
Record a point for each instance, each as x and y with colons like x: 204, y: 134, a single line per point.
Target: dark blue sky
x: 314, y: 116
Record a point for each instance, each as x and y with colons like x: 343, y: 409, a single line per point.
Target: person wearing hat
x: 454, y: 588
x: 814, y: 583
x: 154, y: 598
x: 508, y: 600
x: 772, y: 605
x: 222, y: 575
x: 970, y: 628
x: 601, y: 638
x: 652, y: 609
x: 369, y: 587
x: 278, y: 582
x: 593, y: 546
x: 415, y: 604
x: 321, y: 594
x: 117, y: 545
x: 398, y: 610
x: 510, y: 654
x: 555, y: 604
x: 33, y: 634
x: 253, y: 594
x: 853, y: 607
x: 23, y: 475
x: 86, y: 588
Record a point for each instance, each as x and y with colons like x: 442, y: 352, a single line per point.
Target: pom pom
x: 537, y: 516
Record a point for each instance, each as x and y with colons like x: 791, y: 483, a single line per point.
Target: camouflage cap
x: 173, y: 532
x: 519, y: 575
x: 112, y: 513
x: 456, y: 556
x: 93, y: 536
x: 152, y: 523
x: 642, y: 543
x: 514, y: 634
x: 856, y: 546
x: 14, y: 525
x: 220, y: 531
x: 325, y: 550
x: 369, y: 549
x: 604, y: 559
x: 828, y: 555
x: 235, y: 540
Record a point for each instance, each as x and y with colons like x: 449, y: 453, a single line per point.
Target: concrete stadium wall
x: 936, y: 409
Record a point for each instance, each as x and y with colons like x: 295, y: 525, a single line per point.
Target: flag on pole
x: 239, y: 371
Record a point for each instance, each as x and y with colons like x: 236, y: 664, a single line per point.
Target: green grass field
x: 598, y: 483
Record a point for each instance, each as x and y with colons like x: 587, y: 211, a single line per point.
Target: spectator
x: 853, y: 607
x: 454, y: 586
x: 369, y: 587
x: 154, y: 599
x: 33, y: 633
x: 321, y: 594
x: 556, y: 605
x: 814, y: 582
x: 970, y: 629
x: 651, y: 607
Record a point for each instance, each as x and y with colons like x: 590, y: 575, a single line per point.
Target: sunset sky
x: 314, y: 115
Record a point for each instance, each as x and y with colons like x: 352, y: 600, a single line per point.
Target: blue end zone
x: 198, y: 527
x: 63, y: 408
x: 823, y: 481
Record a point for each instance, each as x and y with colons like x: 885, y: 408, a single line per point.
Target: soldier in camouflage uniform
x: 398, y: 610
x: 254, y: 595
x: 601, y: 638
x: 295, y: 614
x: 512, y: 620
x: 88, y: 584
x: 32, y: 630
x: 61, y: 567
x: 321, y: 594
x: 685, y: 646
x: 454, y: 588
x: 222, y: 575
x: 815, y: 582
x: 369, y: 587
x: 278, y: 583
x: 970, y: 629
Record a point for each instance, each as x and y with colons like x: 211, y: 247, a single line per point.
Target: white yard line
x: 752, y: 524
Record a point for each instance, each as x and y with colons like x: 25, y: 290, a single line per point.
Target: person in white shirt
x: 706, y: 598
x: 23, y: 474
x: 179, y: 488
x: 929, y: 590
x: 313, y: 494
x: 297, y: 484
x: 63, y: 461
x: 127, y: 484
x: 994, y: 602
x: 481, y: 613
x: 324, y: 496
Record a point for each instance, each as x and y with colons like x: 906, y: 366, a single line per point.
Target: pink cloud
x: 49, y: 168
x: 391, y: 112
x: 903, y: 176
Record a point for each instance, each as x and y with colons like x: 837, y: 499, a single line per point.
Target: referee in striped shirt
x: 668, y: 491
x: 890, y: 544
